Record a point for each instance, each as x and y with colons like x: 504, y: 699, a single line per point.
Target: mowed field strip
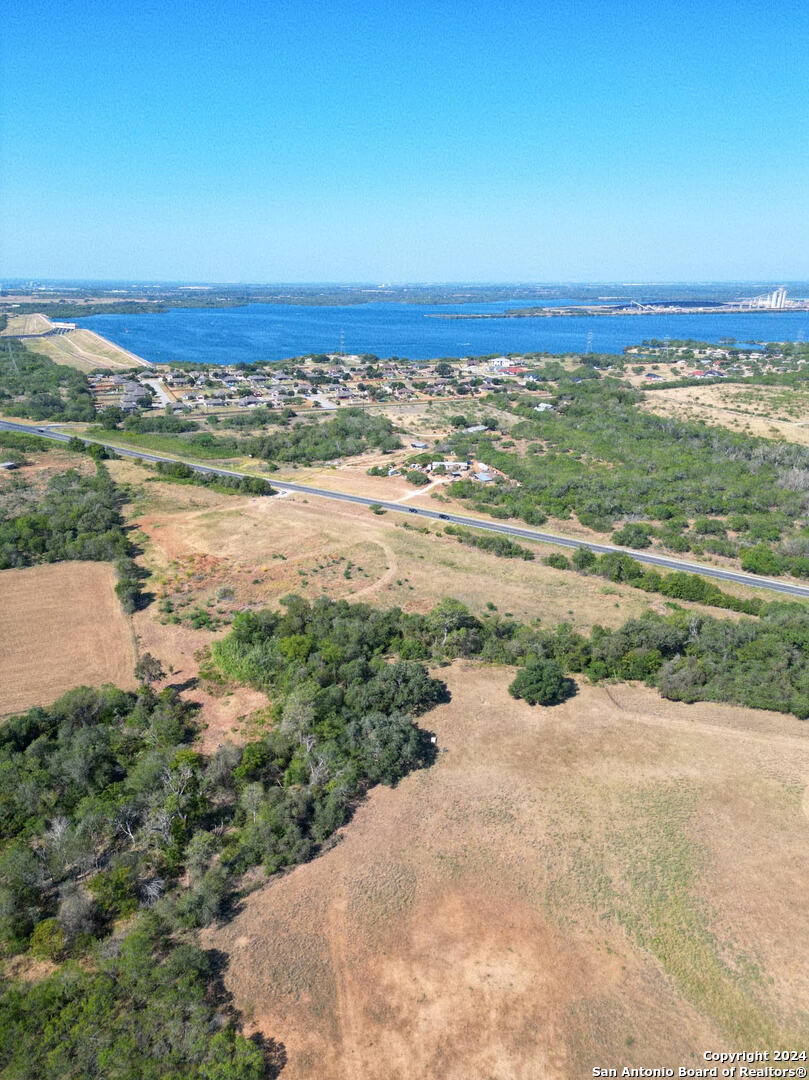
x: 27, y: 324
x: 85, y: 350
x: 617, y: 880
x: 61, y: 625
x: 81, y: 348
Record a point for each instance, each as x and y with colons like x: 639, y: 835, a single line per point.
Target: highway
x: 666, y: 562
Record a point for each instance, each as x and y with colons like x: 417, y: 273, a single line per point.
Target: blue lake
x: 277, y: 331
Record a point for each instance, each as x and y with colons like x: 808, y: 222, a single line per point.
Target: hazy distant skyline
x: 328, y: 142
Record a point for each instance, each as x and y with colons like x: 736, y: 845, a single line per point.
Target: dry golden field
x: 772, y: 412
x: 85, y: 350
x: 223, y: 553
x: 26, y: 324
x: 619, y: 880
x: 82, y: 349
x: 61, y: 626
x: 197, y: 541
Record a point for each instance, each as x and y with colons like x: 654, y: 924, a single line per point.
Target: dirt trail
x: 421, y: 490
x: 386, y: 577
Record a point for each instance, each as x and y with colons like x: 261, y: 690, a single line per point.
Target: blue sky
x: 476, y: 141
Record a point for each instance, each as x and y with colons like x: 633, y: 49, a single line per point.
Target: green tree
x: 541, y: 682
x: 111, y: 417
x: 584, y: 559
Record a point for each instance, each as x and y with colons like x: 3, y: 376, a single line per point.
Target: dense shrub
x: 350, y: 432
x: 541, y: 682
x: 419, y: 479
x: 181, y: 473
x: 633, y: 535
x: 492, y: 542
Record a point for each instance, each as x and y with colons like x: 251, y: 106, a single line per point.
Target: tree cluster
x: 34, y: 386
x: 492, y: 542
x: 599, y: 456
x: 76, y: 517
x: 350, y: 432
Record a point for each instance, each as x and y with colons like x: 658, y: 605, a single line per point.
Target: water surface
x: 277, y: 331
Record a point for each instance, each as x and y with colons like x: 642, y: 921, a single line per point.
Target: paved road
x: 160, y: 390
x: 665, y: 561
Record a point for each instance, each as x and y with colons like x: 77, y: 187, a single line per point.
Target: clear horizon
x: 22, y: 279
x: 332, y: 142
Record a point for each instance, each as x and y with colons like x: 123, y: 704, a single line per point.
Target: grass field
x: 86, y: 350
x: 615, y: 881
x: 198, y: 541
x: 212, y: 555
x: 82, y: 349
x: 61, y: 625
x: 773, y: 412
x: 26, y: 324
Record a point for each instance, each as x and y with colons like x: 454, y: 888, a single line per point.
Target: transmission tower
x: 12, y: 357
x: 589, y: 342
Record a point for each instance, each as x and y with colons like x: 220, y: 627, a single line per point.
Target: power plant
x: 773, y: 301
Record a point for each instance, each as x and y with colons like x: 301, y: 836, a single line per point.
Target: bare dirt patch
x: 560, y: 890
x: 61, y: 626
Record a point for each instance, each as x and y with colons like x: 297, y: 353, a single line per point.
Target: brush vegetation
x: 33, y: 386
x: 686, y: 485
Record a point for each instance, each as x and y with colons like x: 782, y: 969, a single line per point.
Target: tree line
x: 491, y: 542
x: 180, y: 473
x: 615, y: 566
